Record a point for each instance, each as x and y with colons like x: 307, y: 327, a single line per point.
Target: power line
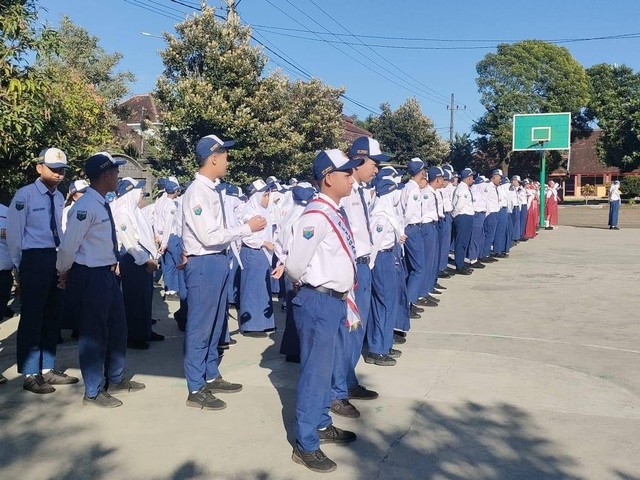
x: 416, y: 81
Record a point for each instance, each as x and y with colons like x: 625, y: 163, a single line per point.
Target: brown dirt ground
x: 597, y: 216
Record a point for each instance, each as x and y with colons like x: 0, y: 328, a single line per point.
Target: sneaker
x: 478, y: 265
x: 37, y: 384
x: 156, y: 337
x: 435, y: 292
x: 315, y: 461
x: 433, y: 299
x: 336, y: 435
x: 254, y: 334
x: 416, y: 309
x: 393, y: 353
x: 399, y: 339
x: 56, y: 377
x: 126, y: 386
x: 362, y: 393
x: 464, y: 271
x: 488, y: 260
x: 444, y: 274
x: 219, y: 385
x: 102, y: 400
x: 380, y: 360
x: 440, y: 287
x: 427, y: 302
x: 343, y: 408
x: 204, y: 400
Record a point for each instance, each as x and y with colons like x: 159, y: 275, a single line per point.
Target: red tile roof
x: 584, y: 156
x: 352, y: 131
x: 135, y: 105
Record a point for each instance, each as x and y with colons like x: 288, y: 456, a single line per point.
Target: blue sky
x: 431, y: 75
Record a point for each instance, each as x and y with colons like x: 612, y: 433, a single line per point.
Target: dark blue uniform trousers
x: 477, y: 236
x: 431, y: 252
x: 256, y: 306
x: 403, y: 321
x: 523, y: 220
x: 515, y: 222
x: 103, y: 328
x: 290, y: 344
x: 233, y: 283
x: 175, y: 249
x: 169, y: 265
x: 137, y: 291
x: 445, y: 240
x: 318, y: 317
x: 415, y: 260
x: 384, y: 307
x: 490, y: 225
x: 500, y: 242
x: 40, y: 311
x: 464, y: 227
x: 349, y: 344
x: 206, y: 278
x: 614, y: 209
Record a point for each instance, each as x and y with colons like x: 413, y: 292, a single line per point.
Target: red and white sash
x: 344, y: 234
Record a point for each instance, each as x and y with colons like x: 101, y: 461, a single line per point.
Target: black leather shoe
x: 380, y: 360
x: 435, y: 292
x: 444, y: 275
x: 137, y: 345
x: 315, y: 461
x: 501, y: 255
x: 488, y: 260
x: 393, y: 353
x: 416, y: 309
x: 292, y: 358
x: 344, y: 408
x: 399, y: 339
x: 433, y: 299
x: 464, y: 271
x: 362, y: 393
x: 414, y: 315
x: 156, y: 337
x: 477, y: 265
x: 205, y: 400
x: 336, y: 435
x: 254, y: 334
x: 426, y: 302
x: 219, y: 385
x: 440, y: 287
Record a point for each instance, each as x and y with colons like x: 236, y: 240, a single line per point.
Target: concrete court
x: 528, y: 369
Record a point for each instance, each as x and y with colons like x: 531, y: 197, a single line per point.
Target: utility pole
x: 231, y: 10
x: 452, y: 108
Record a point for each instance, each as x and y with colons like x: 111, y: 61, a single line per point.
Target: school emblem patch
x: 123, y: 228
x: 426, y: 196
x: 379, y: 228
x: 19, y: 205
x: 197, y: 210
x: 307, y: 232
x: 81, y: 215
x: 415, y: 197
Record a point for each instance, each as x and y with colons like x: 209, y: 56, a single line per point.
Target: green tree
x: 531, y: 76
x: 408, y: 133
x: 462, y: 152
x: 615, y: 107
x: 214, y: 82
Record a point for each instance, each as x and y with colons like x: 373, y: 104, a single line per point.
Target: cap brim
x: 380, y: 158
x: 141, y: 183
x: 350, y: 165
x: 228, y: 144
x: 55, y: 165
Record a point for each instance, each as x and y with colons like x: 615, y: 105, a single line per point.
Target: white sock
x: 45, y: 370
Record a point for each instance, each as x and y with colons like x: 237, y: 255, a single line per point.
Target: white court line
x: 528, y: 339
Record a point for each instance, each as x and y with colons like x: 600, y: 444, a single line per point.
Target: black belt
x: 386, y: 250
x: 327, y: 291
x: 109, y: 268
x: 364, y: 260
x: 419, y: 224
x: 224, y: 252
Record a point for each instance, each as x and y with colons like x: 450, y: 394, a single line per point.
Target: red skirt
x: 551, y: 210
x: 532, y: 220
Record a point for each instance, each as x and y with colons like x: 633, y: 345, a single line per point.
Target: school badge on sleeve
x: 123, y: 227
x: 81, y: 215
x: 379, y: 228
x: 307, y: 232
x: 19, y: 206
x: 197, y: 210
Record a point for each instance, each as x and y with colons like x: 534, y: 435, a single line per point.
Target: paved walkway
x: 529, y: 369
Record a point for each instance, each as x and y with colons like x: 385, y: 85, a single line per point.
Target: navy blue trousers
x: 431, y: 252
x: 403, y: 321
x: 41, y: 306
x: 515, y: 223
x: 206, y: 278
x: 233, y: 282
x: 384, y: 305
x: 256, y: 306
x: 445, y: 241
x: 290, y: 344
x: 477, y: 236
x: 415, y: 261
x: 490, y: 225
x: 523, y: 220
x: 614, y: 209
x: 349, y: 343
x: 500, y: 242
x: 318, y: 318
x: 137, y: 291
x: 464, y: 227
x: 102, y: 326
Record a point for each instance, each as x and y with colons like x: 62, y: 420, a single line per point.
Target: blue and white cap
x: 211, y: 144
x: 414, y: 166
x: 447, y: 166
x: 79, y: 186
x: 504, y: 180
x: 333, y: 160
x: 479, y: 179
x: 171, y: 187
x: 516, y: 178
x: 127, y: 184
x: 497, y: 171
x: 435, y: 172
x: 96, y: 164
x: 303, y: 194
x: 448, y: 174
x: 467, y: 172
x: 384, y: 186
x: 368, y: 147
x: 258, y: 185
x: 53, y: 158
x: 387, y: 171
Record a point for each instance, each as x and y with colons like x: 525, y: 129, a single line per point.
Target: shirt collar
x: 94, y: 193
x: 328, y: 199
x: 207, y: 181
x: 42, y: 188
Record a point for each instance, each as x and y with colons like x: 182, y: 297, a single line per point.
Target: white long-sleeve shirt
x: 462, y: 201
